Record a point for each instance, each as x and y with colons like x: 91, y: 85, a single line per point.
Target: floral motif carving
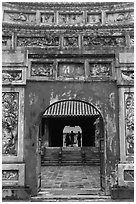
x: 93, y: 18
x: 10, y: 76
x: 10, y: 106
x: 103, y: 41
x: 129, y: 122
x: 129, y: 175
x: 47, y: 18
x: 10, y: 175
x: 70, y: 41
x: 72, y: 18
x: 71, y: 70
x: 42, y: 69
x: 100, y: 69
x: 120, y: 17
x: 20, y: 17
x: 48, y: 40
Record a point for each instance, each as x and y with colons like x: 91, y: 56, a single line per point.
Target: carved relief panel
x: 70, y: 18
x: 10, y: 112
x: 129, y: 175
x: 47, y: 18
x: 10, y: 175
x: 7, y: 41
x: 19, y: 17
x: 129, y: 122
x: 93, y: 18
x: 103, y: 40
x: 42, y: 69
x: 99, y: 69
x: 131, y: 41
x: 120, y: 17
x: 47, y: 40
x: 71, y: 70
x: 70, y: 41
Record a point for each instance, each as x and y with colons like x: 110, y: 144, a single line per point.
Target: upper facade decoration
x: 70, y: 14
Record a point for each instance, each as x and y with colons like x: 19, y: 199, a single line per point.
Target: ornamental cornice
x: 68, y: 27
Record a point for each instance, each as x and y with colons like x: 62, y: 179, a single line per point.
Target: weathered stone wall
x: 67, y: 51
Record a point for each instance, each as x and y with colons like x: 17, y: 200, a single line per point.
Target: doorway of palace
x: 64, y: 117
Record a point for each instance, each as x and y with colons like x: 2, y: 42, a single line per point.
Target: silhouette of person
x: 72, y: 138
x: 67, y: 140
x: 79, y: 139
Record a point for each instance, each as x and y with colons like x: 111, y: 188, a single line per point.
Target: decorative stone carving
x: 10, y: 106
x: 129, y: 122
x: 48, y: 40
x: 94, y: 18
x: 104, y: 41
x: 10, y: 76
x: 20, y: 17
x: 132, y: 41
x: 71, y: 18
x: 42, y: 69
x: 70, y: 41
x: 120, y: 17
x: 129, y: 175
x: 100, y: 69
x: 70, y: 70
x: 47, y: 18
x: 10, y: 175
x: 6, y: 41
x: 127, y: 75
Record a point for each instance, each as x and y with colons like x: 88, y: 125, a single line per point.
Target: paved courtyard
x: 75, y: 177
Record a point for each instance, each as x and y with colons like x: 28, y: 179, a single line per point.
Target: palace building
x: 67, y: 67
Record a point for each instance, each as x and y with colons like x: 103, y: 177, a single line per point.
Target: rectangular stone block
x: 126, y: 57
x: 126, y: 174
x: 13, y: 174
x: 12, y: 57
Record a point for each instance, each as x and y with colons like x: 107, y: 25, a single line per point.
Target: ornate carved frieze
x: 42, y: 69
x: 19, y: 17
x: 93, y: 18
x: 99, y: 69
x: 47, y: 18
x: 70, y: 18
x: 71, y: 70
x: 11, y: 75
x: 120, y: 17
x: 104, y: 41
x: 129, y: 122
x: 47, y: 40
x: 70, y: 41
x: 10, y: 109
x: 129, y: 175
x: 10, y: 175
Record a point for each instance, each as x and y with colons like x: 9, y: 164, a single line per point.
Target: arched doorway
x: 74, y: 113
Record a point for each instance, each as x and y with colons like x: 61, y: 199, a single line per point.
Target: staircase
x: 51, y: 156
x: 91, y: 156
x: 71, y: 156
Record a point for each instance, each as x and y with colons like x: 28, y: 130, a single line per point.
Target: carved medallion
x: 129, y: 122
x: 10, y: 106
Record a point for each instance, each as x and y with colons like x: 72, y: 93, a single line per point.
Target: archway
x: 75, y: 113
